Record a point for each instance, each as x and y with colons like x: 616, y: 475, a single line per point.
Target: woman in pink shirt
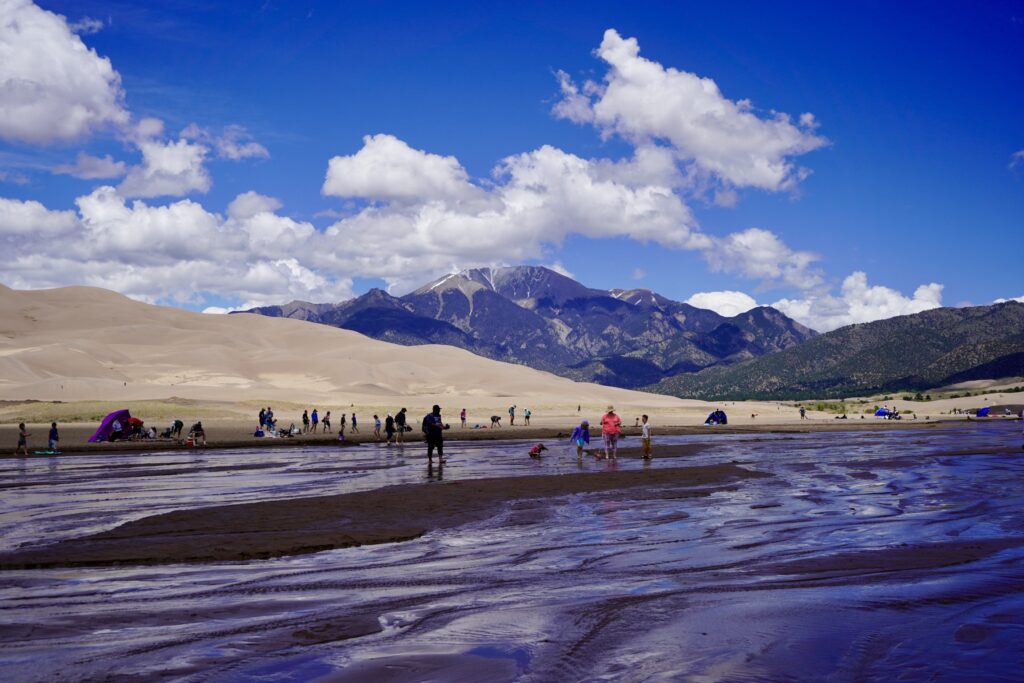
x: 611, y: 427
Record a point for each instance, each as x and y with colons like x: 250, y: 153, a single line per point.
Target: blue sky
x: 907, y: 172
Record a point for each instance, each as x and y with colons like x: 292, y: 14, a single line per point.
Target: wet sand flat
x: 865, y: 556
x: 307, y: 525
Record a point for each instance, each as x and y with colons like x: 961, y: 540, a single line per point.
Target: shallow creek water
x: 611, y: 586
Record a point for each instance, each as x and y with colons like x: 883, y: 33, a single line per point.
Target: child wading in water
x: 645, y: 437
x: 581, y: 436
x: 536, y: 450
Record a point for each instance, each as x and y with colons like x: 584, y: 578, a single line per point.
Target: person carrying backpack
x: 400, y: 426
x: 433, y: 430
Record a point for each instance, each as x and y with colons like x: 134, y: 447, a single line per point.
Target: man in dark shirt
x: 433, y: 429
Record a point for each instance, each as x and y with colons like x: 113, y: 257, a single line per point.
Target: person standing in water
x: 389, y: 428
x: 645, y: 437
x: 611, y: 427
x: 54, y: 436
x: 433, y: 430
x: 462, y: 416
x: 580, y: 437
x: 400, y: 425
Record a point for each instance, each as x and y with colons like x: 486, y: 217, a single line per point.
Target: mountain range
x: 537, y: 317
x: 906, y: 353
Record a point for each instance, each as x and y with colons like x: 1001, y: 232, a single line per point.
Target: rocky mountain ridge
x: 537, y: 317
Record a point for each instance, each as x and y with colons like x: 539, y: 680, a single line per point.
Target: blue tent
x: 983, y: 412
x: 882, y: 412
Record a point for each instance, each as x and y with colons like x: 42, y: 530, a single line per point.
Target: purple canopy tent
x: 107, y: 425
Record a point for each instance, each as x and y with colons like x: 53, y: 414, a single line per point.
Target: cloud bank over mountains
x: 414, y: 213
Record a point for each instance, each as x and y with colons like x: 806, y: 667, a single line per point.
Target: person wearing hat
x: 581, y: 436
x: 611, y: 427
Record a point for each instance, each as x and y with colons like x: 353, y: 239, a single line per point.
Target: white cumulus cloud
x: 52, y: 87
x: 89, y: 167
x: 250, y: 203
x: 234, y: 142
x: 727, y: 303
x: 760, y: 254
x: 418, y: 223
x: 387, y: 168
x: 643, y: 101
x: 858, y: 302
x: 177, y: 252
x: 168, y: 168
x: 27, y: 218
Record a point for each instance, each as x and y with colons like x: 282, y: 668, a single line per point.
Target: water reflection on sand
x: 868, y: 556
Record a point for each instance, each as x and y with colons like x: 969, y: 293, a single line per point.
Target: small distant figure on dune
x: 611, y: 428
x: 355, y: 424
x: 537, y: 450
x: 579, y: 408
x: 526, y: 416
x: 54, y: 436
x: 803, y: 413
x: 462, y: 417
x: 23, y: 435
x: 305, y: 421
x: 326, y: 422
x: 581, y: 437
x: 645, y: 437
x: 389, y: 428
x: 512, y: 416
x: 314, y: 419
x: 495, y: 421
x: 753, y: 416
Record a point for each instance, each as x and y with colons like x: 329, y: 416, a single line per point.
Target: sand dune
x: 82, y: 343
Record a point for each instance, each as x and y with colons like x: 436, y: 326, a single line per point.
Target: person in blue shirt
x: 54, y: 436
x: 581, y: 436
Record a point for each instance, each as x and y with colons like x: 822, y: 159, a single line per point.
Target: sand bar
x: 307, y: 525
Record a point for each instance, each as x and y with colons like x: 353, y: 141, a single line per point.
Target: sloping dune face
x: 77, y: 343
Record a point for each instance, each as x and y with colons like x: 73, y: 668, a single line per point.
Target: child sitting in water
x: 536, y: 450
x: 581, y: 436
